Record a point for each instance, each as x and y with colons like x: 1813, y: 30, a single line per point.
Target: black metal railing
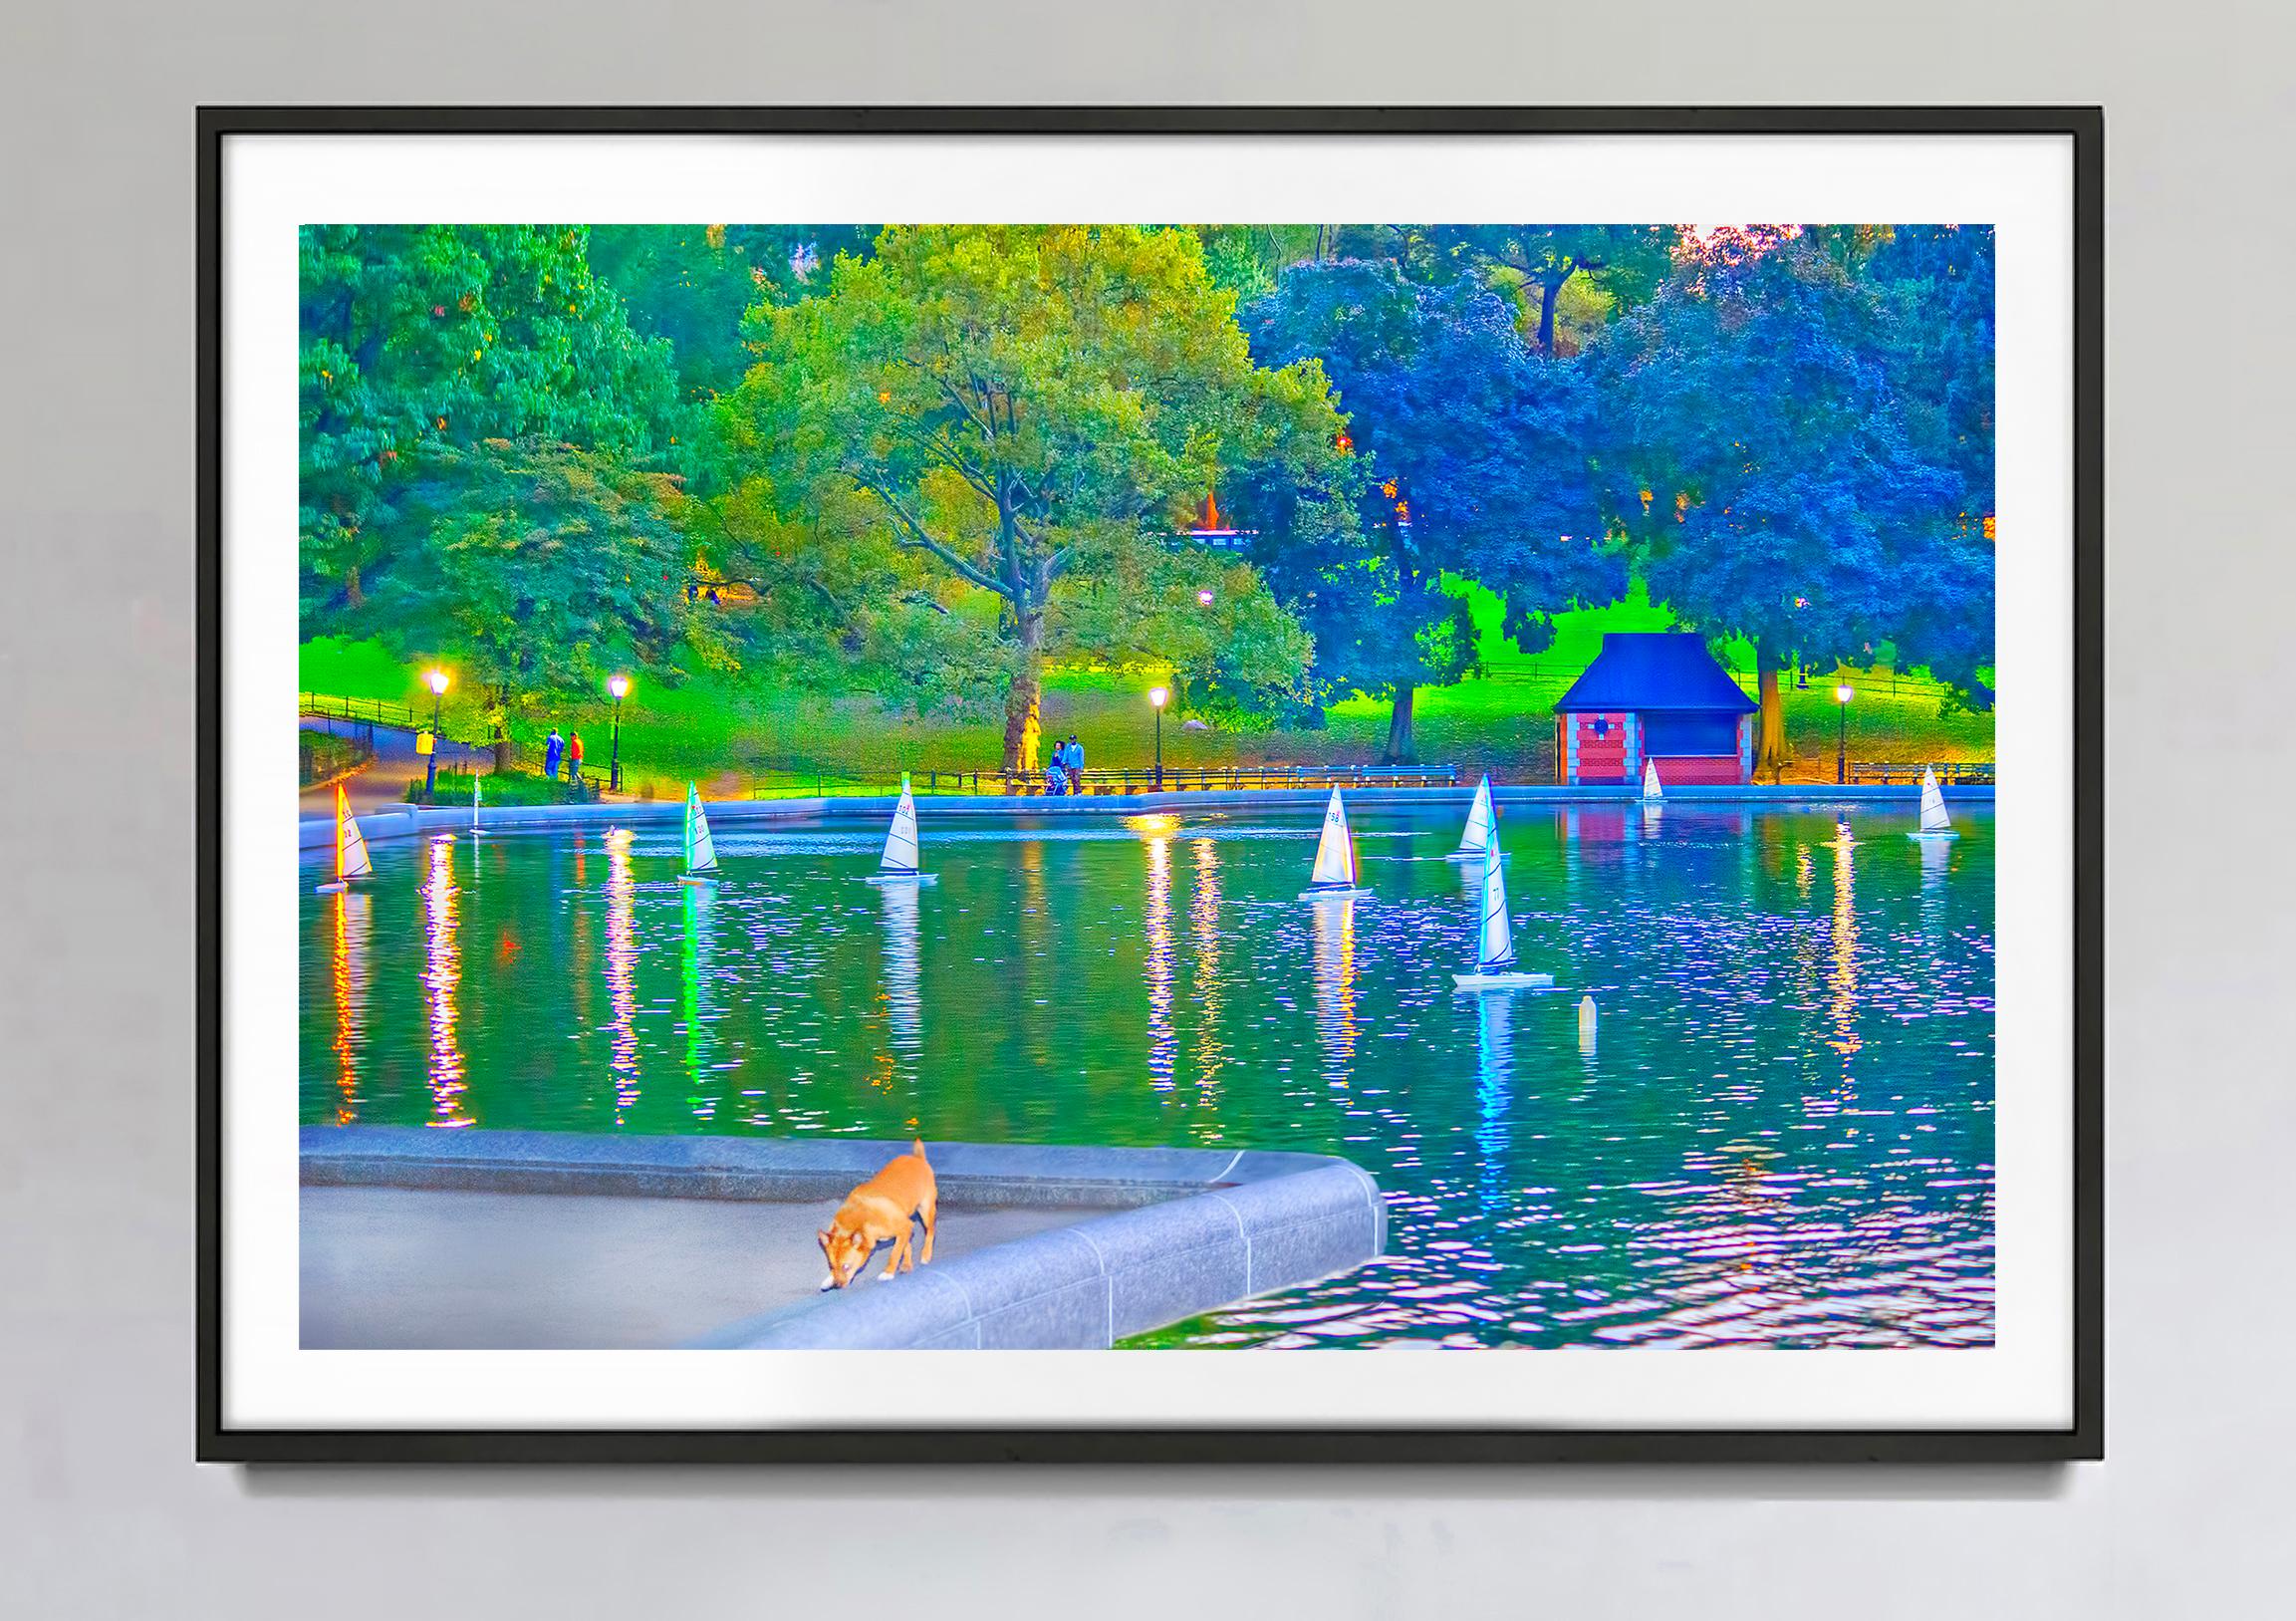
x: 367, y: 712
x: 1950, y: 773
x: 805, y: 782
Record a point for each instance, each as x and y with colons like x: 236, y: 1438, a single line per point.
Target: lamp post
x: 619, y: 686
x: 1158, y: 698
x: 436, y: 681
x: 1841, y: 696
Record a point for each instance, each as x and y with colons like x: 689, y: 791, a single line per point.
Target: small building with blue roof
x: 1655, y: 695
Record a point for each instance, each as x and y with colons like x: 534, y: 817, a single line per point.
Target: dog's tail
x: 917, y: 1144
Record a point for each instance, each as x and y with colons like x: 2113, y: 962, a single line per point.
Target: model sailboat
x: 1936, y: 824
x: 700, y: 850
x: 475, y: 796
x: 351, y: 858
x: 1653, y: 793
x: 1335, y: 874
x: 1479, y: 831
x: 1495, y: 940
x: 898, y: 865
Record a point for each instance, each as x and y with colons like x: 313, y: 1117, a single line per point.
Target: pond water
x: 1781, y: 1133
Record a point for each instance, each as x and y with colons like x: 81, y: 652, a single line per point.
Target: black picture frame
x: 2083, y: 1439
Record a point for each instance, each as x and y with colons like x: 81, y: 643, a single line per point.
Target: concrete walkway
x: 401, y: 1268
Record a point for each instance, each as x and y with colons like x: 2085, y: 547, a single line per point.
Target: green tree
x: 1029, y: 410
x: 536, y: 571
x: 693, y: 285
x: 422, y: 338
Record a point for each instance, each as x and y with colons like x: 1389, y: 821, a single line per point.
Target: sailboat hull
x: 902, y: 877
x: 1338, y: 892
x: 1463, y: 855
x: 1503, y: 981
x: 1938, y: 836
x: 697, y: 878
x: 336, y: 888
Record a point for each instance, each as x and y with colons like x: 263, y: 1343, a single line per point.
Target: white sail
x: 701, y: 850
x: 351, y: 858
x: 1651, y: 792
x: 1934, y: 817
x: 1496, y: 944
x: 1477, y: 836
x: 1335, y: 850
x: 901, y: 839
x: 475, y: 781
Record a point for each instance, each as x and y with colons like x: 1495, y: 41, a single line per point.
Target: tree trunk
x: 1549, y: 286
x: 1022, y: 723
x: 352, y: 594
x: 1400, y: 749
x: 1771, y: 751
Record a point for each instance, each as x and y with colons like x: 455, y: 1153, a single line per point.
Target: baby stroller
x: 1054, y: 780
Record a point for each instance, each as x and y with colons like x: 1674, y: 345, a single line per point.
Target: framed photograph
x: 1135, y: 753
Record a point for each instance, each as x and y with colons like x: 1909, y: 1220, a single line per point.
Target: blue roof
x: 1656, y: 671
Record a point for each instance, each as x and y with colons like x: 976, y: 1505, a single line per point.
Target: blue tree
x: 1476, y: 467
x: 1798, y: 440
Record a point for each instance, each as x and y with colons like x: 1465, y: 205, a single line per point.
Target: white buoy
x: 1587, y: 1024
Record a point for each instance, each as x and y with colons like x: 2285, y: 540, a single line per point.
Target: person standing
x: 1074, y: 759
x: 574, y: 757
x: 552, y: 751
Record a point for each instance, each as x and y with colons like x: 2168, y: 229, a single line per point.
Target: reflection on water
x: 1204, y: 925
x: 1783, y: 1136
x: 622, y: 969
x: 1163, y: 1039
x: 1843, y: 977
x: 1335, y: 982
x: 353, y: 919
x: 441, y: 976
x: 700, y: 968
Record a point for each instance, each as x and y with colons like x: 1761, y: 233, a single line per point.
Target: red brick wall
x: 1687, y: 770
x: 1602, y: 759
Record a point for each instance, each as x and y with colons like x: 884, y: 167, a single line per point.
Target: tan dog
x: 879, y: 1211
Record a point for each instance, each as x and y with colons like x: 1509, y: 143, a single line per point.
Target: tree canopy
x: 1799, y: 443
x: 1479, y: 469
x: 427, y: 338
x: 1027, y: 411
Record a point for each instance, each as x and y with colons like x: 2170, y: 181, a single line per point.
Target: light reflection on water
x: 1782, y: 1135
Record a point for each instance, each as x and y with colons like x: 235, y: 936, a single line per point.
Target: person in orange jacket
x: 574, y: 756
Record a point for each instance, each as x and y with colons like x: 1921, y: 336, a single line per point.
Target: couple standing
x: 1064, y: 772
x: 557, y: 749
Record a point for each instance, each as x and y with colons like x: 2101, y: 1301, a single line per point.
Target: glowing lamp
x: 1844, y: 692
x: 1205, y: 598
x: 619, y: 686
x: 1159, y: 696
x: 436, y: 681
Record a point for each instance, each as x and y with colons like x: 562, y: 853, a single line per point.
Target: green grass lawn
x: 735, y: 739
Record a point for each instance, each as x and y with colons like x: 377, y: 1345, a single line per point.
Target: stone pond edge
x: 1207, y: 1227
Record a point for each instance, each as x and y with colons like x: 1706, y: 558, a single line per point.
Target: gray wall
x: 102, y: 1511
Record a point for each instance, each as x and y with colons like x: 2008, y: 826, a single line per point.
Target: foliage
x: 1025, y: 411
x: 691, y: 284
x: 1792, y: 444
x: 541, y: 570
x: 418, y: 339
x: 1478, y: 469
x: 1625, y: 264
